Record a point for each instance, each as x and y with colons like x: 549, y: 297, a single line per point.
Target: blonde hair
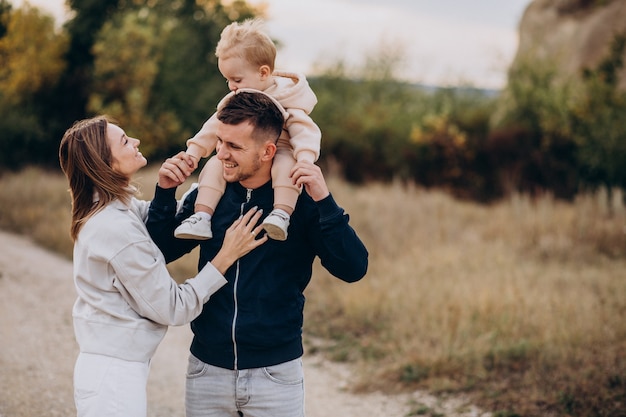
x: 86, y: 159
x: 247, y: 40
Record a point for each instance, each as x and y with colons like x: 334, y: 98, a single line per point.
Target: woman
x: 126, y: 297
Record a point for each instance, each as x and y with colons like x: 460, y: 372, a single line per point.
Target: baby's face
x: 240, y: 74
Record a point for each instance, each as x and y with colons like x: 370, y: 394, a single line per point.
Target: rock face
x: 572, y: 34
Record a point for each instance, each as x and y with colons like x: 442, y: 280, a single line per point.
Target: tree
x: 69, y: 101
x: 598, y: 122
x: 31, y: 62
x: 30, y: 55
x: 124, y: 76
x: 5, y: 10
x: 531, y: 143
x: 155, y: 69
x: 189, y: 82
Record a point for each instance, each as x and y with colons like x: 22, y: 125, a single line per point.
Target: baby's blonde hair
x: 247, y: 40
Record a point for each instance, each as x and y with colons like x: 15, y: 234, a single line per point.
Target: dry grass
x: 521, y: 304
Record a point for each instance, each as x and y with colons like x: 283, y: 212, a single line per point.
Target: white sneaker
x: 276, y: 224
x: 194, y: 227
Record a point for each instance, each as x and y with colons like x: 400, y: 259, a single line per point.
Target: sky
x: 440, y: 42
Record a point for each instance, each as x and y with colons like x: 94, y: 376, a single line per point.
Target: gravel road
x: 37, y: 353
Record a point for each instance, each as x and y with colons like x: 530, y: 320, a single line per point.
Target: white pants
x: 111, y: 387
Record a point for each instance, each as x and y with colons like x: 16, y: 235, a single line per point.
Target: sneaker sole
x: 274, y: 232
x: 193, y: 237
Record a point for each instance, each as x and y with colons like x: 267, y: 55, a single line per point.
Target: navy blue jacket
x: 256, y: 319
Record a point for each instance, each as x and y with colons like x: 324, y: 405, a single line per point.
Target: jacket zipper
x: 234, y: 339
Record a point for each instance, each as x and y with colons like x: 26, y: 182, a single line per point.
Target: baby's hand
x: 175, y: 170
x: 194, y: 161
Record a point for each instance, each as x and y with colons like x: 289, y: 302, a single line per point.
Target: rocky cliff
x: 572, y: 34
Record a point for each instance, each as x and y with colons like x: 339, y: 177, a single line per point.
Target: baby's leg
x: 285, y: 195
x: 211, y: 187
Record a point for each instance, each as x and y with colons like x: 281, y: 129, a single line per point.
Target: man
x: 247, y: 347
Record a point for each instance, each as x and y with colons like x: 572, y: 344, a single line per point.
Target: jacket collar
x: 118, y: 204
x: 263, y: 191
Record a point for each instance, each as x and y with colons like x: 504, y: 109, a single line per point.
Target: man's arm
x: 163, y: 216
x: 339, y: 248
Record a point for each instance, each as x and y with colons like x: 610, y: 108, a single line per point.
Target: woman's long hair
x: 86, y: 161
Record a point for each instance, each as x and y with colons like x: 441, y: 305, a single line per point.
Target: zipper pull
x: 248, y: 194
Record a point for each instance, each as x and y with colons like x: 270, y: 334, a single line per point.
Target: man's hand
x: 175, y: 170
x: 310, y: 176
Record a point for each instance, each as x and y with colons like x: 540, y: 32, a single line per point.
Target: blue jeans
x: 273, y: 391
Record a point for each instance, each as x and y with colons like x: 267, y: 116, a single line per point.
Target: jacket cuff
x: 164, y: 196
x: 208, y: 281
x: 328, y: 208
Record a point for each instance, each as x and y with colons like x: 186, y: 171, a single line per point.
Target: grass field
x: 520, y: 304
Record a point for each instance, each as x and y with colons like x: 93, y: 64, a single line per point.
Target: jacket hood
x: 252, y: 90
x: 292, y: 90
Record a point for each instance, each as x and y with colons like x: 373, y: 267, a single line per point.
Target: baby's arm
x: 203, y: 143
x: 305, y: 136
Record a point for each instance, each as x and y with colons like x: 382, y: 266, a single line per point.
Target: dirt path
x: 37, y: 353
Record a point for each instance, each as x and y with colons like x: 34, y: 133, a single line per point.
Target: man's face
x: 239, y: 152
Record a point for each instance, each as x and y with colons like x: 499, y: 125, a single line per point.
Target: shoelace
x: 280, y: 215
x: 192, y: 220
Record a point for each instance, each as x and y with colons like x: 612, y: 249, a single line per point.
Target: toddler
x: 246, y: 58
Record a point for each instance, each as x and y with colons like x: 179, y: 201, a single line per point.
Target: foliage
x: 31, y: 62
x: 5, y: 10
x: 451, y: 143
x: 379, y: 128
x: 30, y: 55
x: 162, y: 83
x: 599, y: 126
x: 562, y: 135
x: 363, y: 123
x: 69, y: 102
x: 189, y: 82
x: 124, y: 77
x: 151, y: 65
x: 531, y: 142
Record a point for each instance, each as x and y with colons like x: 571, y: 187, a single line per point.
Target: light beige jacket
x: 301, y: 134
x: 126, y: 296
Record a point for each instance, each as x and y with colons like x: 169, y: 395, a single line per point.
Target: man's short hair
x: 256, y: 108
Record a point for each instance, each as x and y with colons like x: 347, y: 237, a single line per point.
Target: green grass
x: 521, y: 304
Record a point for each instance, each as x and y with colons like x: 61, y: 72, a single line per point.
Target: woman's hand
x: 240, y: 239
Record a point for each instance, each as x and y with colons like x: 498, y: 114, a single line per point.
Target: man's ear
x: 269, y: 150
x: 265, y: 72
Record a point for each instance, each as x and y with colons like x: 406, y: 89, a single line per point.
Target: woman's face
x: 126, y: 156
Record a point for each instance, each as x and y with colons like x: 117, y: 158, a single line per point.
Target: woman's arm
x: 148, y: 288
